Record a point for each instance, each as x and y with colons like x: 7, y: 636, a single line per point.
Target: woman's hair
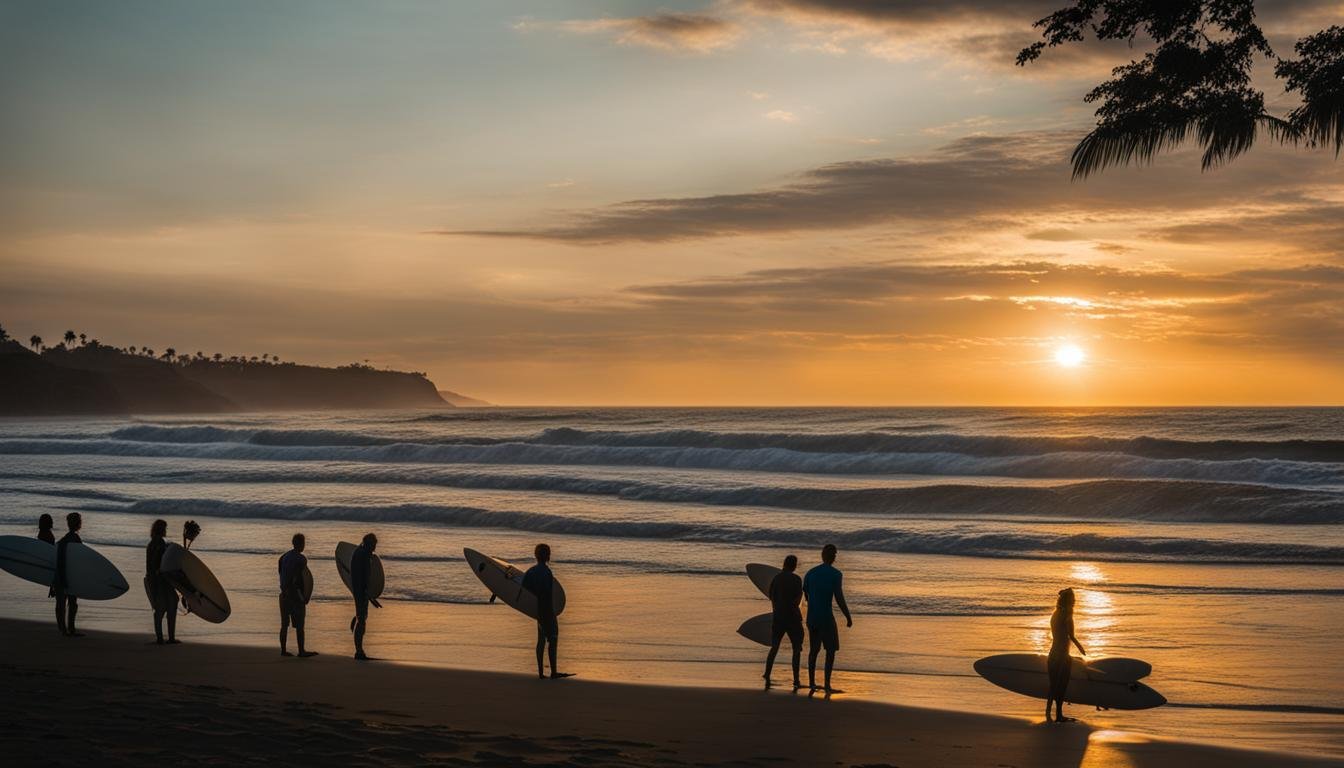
x: 44, y: 523
x: 190, y: 530
x: 1065, y: 598
x: 159, y: 529
x: 790, y: 562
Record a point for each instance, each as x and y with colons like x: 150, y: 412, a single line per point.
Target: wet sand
x: 129, y: 702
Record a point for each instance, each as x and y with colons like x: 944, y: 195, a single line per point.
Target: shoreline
x: 240, y: 703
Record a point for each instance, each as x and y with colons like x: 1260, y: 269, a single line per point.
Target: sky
x: 738, y: 202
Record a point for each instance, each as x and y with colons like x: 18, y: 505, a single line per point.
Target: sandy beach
x: 130, y: 702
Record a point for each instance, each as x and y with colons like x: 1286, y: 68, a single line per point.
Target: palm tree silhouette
x: 218, y: 356
x: 4, y: 335
x: 35, y: 341
x: 169, y: 354
x: 82, y: 339
x: 69, y: 337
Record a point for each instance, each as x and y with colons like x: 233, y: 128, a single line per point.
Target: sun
x: 1070, y: 355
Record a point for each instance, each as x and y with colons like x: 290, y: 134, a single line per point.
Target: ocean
x: 1209, y: 542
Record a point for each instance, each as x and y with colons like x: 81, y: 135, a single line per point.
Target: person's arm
x: 1074, y: 638
x: 840, y: 601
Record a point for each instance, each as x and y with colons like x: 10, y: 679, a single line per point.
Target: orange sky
x: 743, y: 202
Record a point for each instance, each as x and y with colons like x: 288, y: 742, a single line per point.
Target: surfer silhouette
x: 360, y: 563
x: 822, y: 584
x: 44, y: 525
x: 1058, y: 664
x: 541, y: 582
x: 293, y: 600
x: 162, y: 595
x: 786, y: 593
x: 66, y: 605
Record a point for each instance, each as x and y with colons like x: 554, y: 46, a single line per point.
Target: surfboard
x: 89, y: 575
x: 1026, y: 673
x: 307, y: 584
x: 757, y: 629
x: 505, y: 581
x: 201, y: 591
x: 344, y: 551
x: 1121, y: 668
x: 761, y: 575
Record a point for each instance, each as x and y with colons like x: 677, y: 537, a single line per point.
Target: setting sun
x: 1070, y: 356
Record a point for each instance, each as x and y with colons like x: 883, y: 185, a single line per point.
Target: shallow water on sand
x: 1207, y: 542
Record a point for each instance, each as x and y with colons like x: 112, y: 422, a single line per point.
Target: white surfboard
x: 757, y: 629
x: 505, y: 581
x: 88, y: 574
x: 344, y: 551
x: 201, y: 591
x: 1026, y: 673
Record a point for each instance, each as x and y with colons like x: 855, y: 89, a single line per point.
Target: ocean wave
x: 1055, y: 465
x: 881, y: 539
x: 1185, y: 501
x: 801, y: 442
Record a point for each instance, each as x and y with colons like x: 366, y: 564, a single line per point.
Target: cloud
x: 973, y: 182
x: 675, y: 32
x: 782, y: 116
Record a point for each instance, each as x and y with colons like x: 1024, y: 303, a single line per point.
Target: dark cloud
x: 1008, y: 176
x: 680, y: 32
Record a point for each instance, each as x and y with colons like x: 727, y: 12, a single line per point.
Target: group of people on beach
x: 823, y: 586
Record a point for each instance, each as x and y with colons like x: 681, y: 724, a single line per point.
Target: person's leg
x: 284, y: 627
x: 171, y: 613
x: 554, y: 640
x: 796, y: 640
x: 73, y: 603
x: 60, y: 613
x: 830, y: 664
x: 298, y: 618
x: 814, y: 647
x: 158, y: 625
x: 775, y: 637
x: 541, y: 650
x: 361, y: 618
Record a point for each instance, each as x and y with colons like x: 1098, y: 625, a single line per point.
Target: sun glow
x: 1070, y: 356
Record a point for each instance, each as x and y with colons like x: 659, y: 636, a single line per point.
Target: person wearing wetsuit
x: 44, y: 525
x: 162, y: 594
x: 293, y: 602
x: 1058, y: 663
x: 822, y: 584
x: 786, y: 593
x: 360, y: 563
x: 541, y: 582
x: 66, y: 605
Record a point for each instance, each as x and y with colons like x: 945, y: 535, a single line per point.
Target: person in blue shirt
x: 541, y: 582
x: 66, y: 605
x: 293, y: 601
x: 822, y: 584
x: 360, y: 563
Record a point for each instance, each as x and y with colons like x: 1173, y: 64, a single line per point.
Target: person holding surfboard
x: 786, y: 593
x: 1058, y: 663
x: 293, y: 597
x: 360, y: 564
x: 66, y: 605
x: 823, y: 584
x: 162, y: 594
x: 541, y: 582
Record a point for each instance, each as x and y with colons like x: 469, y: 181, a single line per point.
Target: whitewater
x: 1207, y: 541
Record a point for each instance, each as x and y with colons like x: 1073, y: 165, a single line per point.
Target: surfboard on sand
x: 344, y: 551
x: 757, y: 629
x: 201, y: 591
x: 1026, y: 673
x: 505, y: 581
x: 89, y: 575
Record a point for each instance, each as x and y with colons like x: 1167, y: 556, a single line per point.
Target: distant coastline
x: 85, y: 377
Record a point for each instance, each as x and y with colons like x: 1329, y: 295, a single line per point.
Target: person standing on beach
x: 66, y: 605
x: 162, y: 595
x: 786, y: 593
x: 293, y: 600
x: 44, y: 526
x: 822, y: 584
x: 1059, y: 664
x: 541, y: 582
x: 360, y: 563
